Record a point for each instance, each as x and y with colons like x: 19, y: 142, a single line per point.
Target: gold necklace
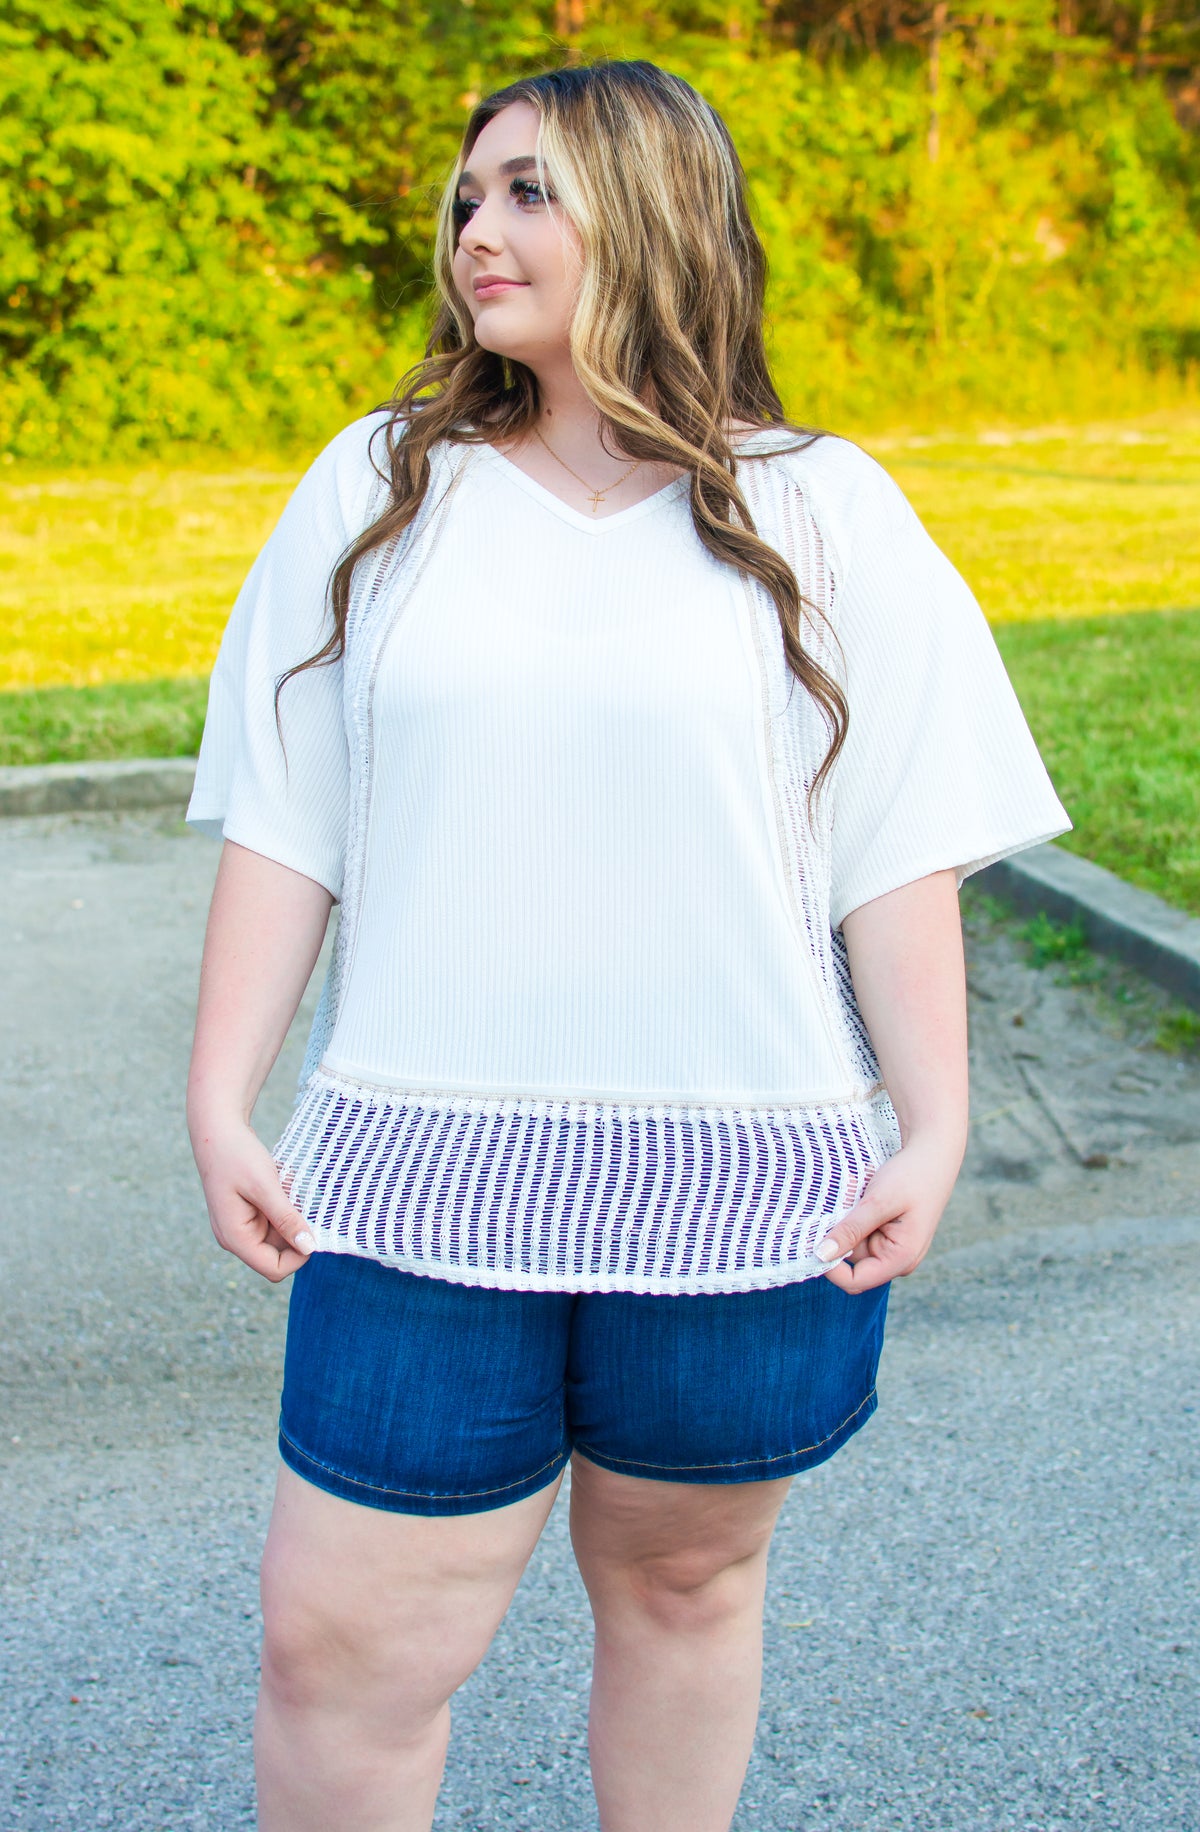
x: 597, y: 496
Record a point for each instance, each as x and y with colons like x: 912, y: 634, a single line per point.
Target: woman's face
x: 517, y: 262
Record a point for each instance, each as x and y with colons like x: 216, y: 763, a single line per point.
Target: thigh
x: 418, y: 1396
x: 730, y: 1388
x: 684, y: 1533
x: 384, y: 1611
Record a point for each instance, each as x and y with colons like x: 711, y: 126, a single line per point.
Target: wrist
x: 944, y: 1133
x: 214, y: 1110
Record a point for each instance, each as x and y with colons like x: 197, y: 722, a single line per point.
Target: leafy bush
x: 215, y: 217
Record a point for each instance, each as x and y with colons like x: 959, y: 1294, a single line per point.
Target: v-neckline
x: 587, y: 524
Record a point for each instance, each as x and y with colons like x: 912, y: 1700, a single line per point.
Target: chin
x: 493, y: 339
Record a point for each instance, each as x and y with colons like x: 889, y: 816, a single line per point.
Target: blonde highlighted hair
x: 666, y: 336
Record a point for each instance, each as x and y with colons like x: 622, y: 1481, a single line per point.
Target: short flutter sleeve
x: 939, y: 769
x: 283, y: 790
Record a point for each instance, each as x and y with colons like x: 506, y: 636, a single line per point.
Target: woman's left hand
x: 888, y: 1233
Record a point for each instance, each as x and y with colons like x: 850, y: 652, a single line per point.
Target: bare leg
x: 676, y: 1574
x: 372, y: 1621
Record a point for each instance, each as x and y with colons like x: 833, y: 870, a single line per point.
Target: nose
x: 482, y: 234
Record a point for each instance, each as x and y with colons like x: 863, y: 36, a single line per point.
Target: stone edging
x: 1117, y: 918
x: 91, y: 788
x: 1136, y: 927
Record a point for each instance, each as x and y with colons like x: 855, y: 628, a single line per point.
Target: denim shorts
x: 425, y: 1397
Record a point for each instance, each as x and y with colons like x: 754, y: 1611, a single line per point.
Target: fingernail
x: 828, y: 1250
x: 305, y: 1241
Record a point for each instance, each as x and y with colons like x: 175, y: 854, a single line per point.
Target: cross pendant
x: 597, y: 499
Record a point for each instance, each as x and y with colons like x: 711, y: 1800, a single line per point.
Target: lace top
x: 589, y: 1024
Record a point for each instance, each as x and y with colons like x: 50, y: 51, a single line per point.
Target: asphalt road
x: 983, y: 1612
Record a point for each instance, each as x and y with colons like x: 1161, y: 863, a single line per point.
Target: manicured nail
x: 828, y: 1250
x: 305, y: 1241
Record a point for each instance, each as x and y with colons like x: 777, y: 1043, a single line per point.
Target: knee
x: 310, y: 1651
x: 693, y: 1591
x: 353, y: 1649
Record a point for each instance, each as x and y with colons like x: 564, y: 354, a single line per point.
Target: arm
x: 265, y: 930
x: 906, y: 962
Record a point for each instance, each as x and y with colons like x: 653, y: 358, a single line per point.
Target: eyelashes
x: 526, y: 191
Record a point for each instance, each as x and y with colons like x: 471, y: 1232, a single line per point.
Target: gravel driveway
x: 983, y: 1614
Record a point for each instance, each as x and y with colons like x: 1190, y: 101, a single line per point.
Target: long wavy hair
x: 666, y: 335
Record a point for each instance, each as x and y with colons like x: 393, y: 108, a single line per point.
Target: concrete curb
x: 78, y: 788
x: 1117, y: 918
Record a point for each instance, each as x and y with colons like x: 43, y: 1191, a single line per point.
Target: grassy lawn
x: 115, y: 584
x: 125, y: 575
x: 1063, y: 521
x: 1113, y: 704
x: 122, y: 719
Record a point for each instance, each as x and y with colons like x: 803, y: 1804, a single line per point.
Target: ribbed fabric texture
x: 591, y: 1025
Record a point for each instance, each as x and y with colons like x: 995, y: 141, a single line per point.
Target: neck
x: 569, y: 419
x: 565, y: 400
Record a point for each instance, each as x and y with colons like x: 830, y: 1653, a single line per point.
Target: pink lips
x: 491, y: 289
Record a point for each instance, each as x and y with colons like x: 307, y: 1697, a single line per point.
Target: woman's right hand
x: 265, y: 930
x: 247, y: 1205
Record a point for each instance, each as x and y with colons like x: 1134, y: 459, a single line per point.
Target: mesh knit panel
x: 577, y: 1195
x: 797, y: 740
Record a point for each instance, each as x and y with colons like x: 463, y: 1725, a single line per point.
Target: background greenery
x: 215, y: 218
x: 215, y: 223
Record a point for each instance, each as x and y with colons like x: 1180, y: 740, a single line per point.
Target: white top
x: 591, y: 1026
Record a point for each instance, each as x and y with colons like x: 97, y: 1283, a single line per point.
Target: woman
x: 642, y: 740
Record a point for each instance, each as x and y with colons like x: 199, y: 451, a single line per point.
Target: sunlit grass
x: 1112, y: 702
x: 119, y: 580
x: 102, y: 724
x: 1063, y: 521
x: 117, y: 574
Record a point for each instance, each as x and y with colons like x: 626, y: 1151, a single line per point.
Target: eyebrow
x: 523, y: 163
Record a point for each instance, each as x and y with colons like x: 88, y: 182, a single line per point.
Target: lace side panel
x: 798, y: 740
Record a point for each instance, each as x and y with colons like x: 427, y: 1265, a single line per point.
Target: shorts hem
x: 417, y: 1501
x: 754, y: 1469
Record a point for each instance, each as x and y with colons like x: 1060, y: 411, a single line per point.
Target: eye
x: 529, y: 191
x: 462, y: 210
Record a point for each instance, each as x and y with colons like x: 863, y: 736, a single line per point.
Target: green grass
x: 115, y: 583
x: 1112, y: 702
x: 124, y: 719
x: 1179, y: 1032
x: 123, y: 573
x: 1048, y: 941
x: 1062, y: 521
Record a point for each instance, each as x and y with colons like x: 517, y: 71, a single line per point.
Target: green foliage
x: 215, y: 218
x: 1179, y: 1032
x: 1112, y: 704
x: 78, y: 724
x: 1049, y: 941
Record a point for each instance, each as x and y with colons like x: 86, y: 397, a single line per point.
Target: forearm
x: 906, y: 962
x: 265, y: 930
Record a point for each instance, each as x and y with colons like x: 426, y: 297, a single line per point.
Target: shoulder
x: 353, y: 471
x: 852, y: 499
x: 345, y: 474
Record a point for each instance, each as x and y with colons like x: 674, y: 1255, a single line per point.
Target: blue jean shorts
x: 424, y: 1397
